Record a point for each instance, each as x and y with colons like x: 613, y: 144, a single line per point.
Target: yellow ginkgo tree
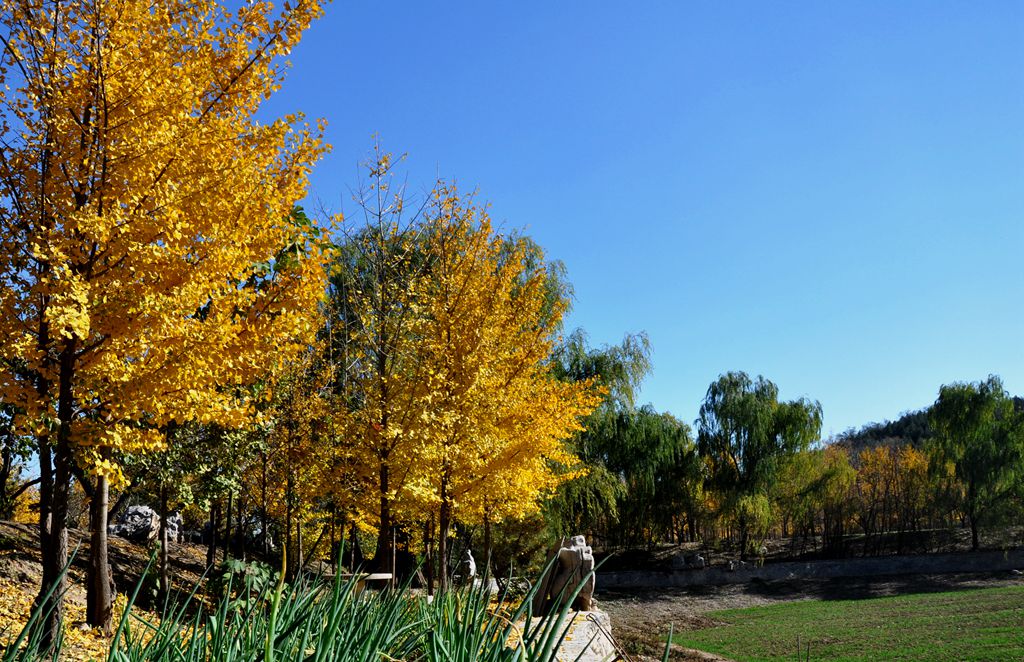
x: 150, y: 260
x: 494, y: 419
x: 373, y: 311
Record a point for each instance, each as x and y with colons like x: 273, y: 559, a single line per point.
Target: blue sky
x: 828, y: 194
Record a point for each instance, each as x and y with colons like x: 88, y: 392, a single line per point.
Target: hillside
x: 910, y: 429
x: 21, y: 571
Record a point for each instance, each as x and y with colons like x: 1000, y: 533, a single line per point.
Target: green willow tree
x: 590, y: 502
x: 639, y: 462
x: 979, y: 440
x: 744, y: 436
x: 651, y: 453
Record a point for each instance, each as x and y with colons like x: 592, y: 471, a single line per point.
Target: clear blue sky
x: 828, y: 194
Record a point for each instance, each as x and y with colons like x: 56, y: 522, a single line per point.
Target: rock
x: 468, y: 565
x: 175, y: 530
x: 573, y: 567
x: 688, y: 562
x: 193, y: 536
x: 491, y: 584
x: 588, y: 638
x: 141, y: 524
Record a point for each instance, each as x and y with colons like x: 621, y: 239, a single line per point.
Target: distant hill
x: 910, y: 429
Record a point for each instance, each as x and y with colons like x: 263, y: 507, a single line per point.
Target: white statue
x: 469, y: 566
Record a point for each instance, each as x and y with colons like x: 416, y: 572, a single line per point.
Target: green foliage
x: 813, y: 483
x: 326, y: 621
x: 244, y: 581
x: 745, y: 435
x: 912, y: 428
x: 462, y: 626
x: 558, y: 290
x: 618, y: 368
x: 519, y: 547
x: 755, y: 511
x: 639, y: 462
x: 979, y: 438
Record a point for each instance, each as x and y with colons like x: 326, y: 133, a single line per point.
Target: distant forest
x: 910, y: 429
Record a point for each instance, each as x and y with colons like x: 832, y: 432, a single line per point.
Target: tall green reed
x: 327, y: 620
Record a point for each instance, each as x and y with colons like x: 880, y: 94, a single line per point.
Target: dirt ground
x: 641, y: 617
x: 21, y: 572
x: 19, y: 559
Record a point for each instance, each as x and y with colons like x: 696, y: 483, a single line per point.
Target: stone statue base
x: 587, y: 638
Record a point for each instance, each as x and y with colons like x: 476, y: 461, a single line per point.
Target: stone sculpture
x: 572, y: 567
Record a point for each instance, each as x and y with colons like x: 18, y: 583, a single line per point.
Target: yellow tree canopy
x: 149, y: 254
x: 494, y: 418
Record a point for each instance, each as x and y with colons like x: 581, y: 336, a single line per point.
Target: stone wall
x: 861, y: 567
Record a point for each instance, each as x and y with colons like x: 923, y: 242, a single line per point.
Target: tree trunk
x: 299, y: 561
x: 443, y: 524
x: 227, y: 528
x: 264, y: 523
x: 55, y: 551
x: 164, y: 569
x: 487, y: 542
x: 442, y: 550
x: 382, y: 557
x: 240, y: 529
x: 99, y: 598
x: 53, y: 525
x: 334, y: 552
x: 428, y: 545
x: 55, y: 475
x: 743, y: 538
x: 288, y: 527
x: 974, y: 534
x: 355, y: 552
x: 211, y: 550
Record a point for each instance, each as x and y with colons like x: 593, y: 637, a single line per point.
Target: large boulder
x: 141, y: 524
x: 137, y: 523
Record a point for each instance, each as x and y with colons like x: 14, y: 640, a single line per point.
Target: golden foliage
x: 447, y: 332
x: 79, y: 642
x: 149, y: 260
x: 26, y: 507
x: 493, y: 418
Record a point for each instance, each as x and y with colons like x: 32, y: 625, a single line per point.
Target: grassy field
x: 982, y: 624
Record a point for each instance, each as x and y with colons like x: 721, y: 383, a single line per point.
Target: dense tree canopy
x: 177, y: 330
x: 980, y: 440
x: 745, y: 434
x: 147, y: 261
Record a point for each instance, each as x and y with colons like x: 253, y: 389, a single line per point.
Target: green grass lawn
x: 979, y: 624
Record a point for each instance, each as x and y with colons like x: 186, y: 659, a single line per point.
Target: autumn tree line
x: 753, y: 467
x: 177, y: 331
